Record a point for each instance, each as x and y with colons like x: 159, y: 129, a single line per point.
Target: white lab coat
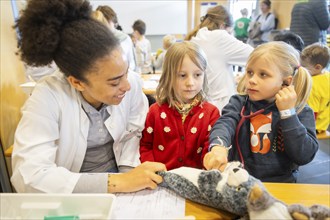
x: 223, y: 51
x: 51, y: 138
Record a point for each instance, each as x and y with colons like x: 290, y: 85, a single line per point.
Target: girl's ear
x: 76, y: 83
x: 287, y: 81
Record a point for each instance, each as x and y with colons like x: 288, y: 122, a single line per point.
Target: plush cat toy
x: 262, y: 205
x: 235, y: 191
x: 225, y: 191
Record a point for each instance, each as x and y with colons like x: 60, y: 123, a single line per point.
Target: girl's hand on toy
x: 216, y: 158
x: 286, y: 98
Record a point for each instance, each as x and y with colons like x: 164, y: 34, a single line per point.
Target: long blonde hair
x: 287, y: 60
x: 214, y: 18
x: 172, y: 63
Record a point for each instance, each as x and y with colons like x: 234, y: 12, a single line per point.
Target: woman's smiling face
x: 107, y: 82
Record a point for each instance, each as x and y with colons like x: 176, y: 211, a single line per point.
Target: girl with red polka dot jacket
x: 178, y: 125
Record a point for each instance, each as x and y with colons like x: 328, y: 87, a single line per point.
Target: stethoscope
x: 242, y: 120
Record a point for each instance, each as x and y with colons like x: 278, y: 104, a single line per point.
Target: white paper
x: 155, y: 77
x: 150, y: 84
x: 160, y: 203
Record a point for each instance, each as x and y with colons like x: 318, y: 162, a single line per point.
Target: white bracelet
x: 220, y: 144
x: 287, y: 113
x: 215, y: 144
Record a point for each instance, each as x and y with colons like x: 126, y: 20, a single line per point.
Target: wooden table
x: 150, y: 78
x: 9, y: 151
x: 289, y: 193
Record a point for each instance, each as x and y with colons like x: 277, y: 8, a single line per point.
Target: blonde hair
x: 172, y: 63
x: 168, y: 41
x: 214, y: 18
x: 286, y: 58
x: 98, y: 15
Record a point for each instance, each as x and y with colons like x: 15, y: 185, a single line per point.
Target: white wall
x: 161, y: 16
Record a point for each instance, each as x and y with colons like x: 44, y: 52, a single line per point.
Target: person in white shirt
x: 223, y: 51
x: 267, y: 21
x: 81, y: 125
x: 142, y: 48
x: 125, y: 40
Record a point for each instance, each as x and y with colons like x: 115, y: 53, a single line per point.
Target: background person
x: 267, y: 23
x: 168, y: 41
x: 223, y: 51
x: 241, y: 26
x: 290, y: 38
x: 315, y: 58
x: 125, y: 40
x: 142, y: 48
x: 308, y: 19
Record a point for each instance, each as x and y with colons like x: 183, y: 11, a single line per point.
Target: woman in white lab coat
x: 223, y: 51
x: 84, y: 122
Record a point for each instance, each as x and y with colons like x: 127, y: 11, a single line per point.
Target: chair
x: 5, y: 185
x: 323, y: 135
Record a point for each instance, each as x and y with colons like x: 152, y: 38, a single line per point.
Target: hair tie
x: 203, y: 18
x: 296, y: 69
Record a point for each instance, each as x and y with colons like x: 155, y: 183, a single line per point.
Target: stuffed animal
x: 225, y: 191
x: 235, y: 191
x: 262, y: 205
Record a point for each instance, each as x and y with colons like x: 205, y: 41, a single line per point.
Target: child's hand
x: 286, y: 98
x: 216, y: 158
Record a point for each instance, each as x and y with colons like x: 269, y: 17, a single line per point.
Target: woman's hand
x: 216, y: 158
x: 286, y: 98
x: 141, y: 177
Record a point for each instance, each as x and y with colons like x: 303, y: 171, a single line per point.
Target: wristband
x: 215, y: 144
x: 220, y: 144
x: 227, y: 148
x: 287, y: 113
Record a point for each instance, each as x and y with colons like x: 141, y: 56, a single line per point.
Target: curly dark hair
x: 63, y: 31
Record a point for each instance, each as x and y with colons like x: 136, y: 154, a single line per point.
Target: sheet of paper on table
x: 151, y: 84
x: 160, y: 203
x: 155, y: 77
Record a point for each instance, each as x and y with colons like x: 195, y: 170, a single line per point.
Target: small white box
x: 37, y: 206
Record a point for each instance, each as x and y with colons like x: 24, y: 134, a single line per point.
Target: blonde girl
x: 168, y: 41
x: 178, y: 125
x: 271, y: 128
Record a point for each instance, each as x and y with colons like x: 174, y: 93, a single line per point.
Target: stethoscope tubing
x: 240, y: 123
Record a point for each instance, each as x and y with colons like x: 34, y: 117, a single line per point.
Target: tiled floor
x: 317, y: 171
